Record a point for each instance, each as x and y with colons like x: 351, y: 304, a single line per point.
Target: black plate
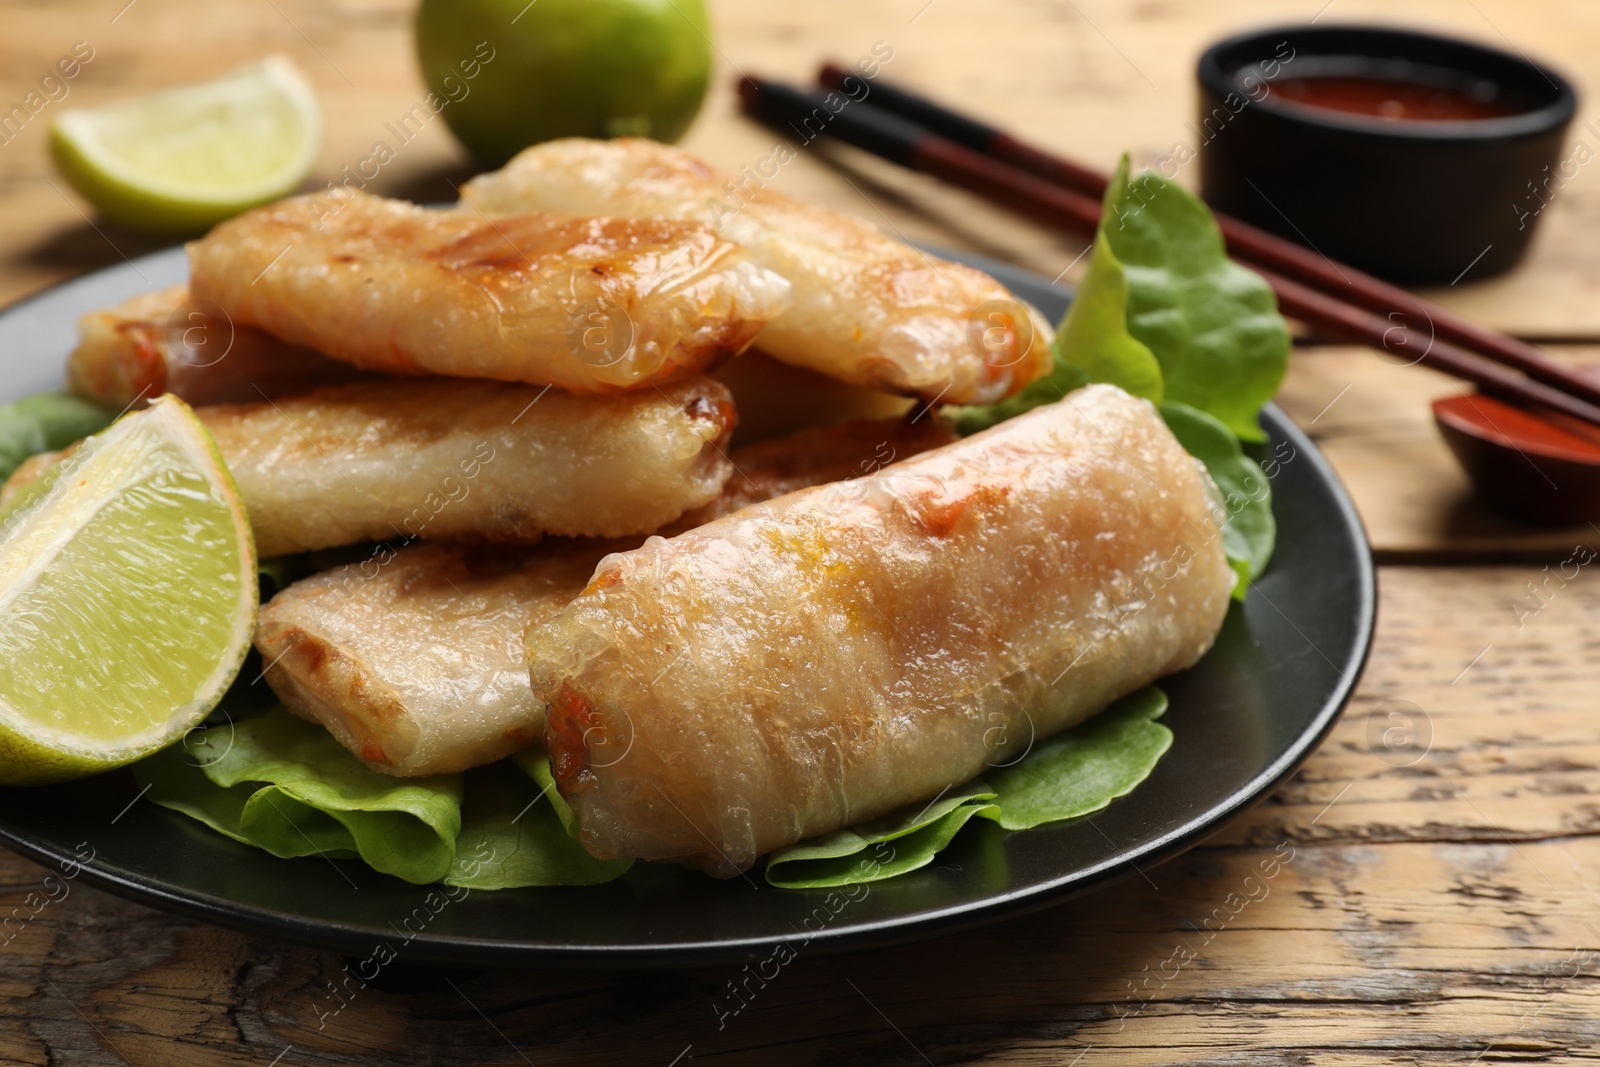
x: 1245, y: 718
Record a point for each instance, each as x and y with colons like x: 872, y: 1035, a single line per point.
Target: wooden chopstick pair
x: 1337, y: 299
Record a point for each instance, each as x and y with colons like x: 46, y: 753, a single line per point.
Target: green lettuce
x: 517, y: 831
x: 1079, y: 771
x: 1073, y: 774
x: 1213, y: 325
x: 44, y: 422
x: 1163, y: 314
x: 285, y: 785
x: 883, y: 848
x: 1249, y: 531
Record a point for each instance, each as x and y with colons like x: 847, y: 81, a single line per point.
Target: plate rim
x: 429, y: 949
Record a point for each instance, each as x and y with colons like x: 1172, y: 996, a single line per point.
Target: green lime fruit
x: 510, y: 73
x: 127, y: 598
x: 182, y: 160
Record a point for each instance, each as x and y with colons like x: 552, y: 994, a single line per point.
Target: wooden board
x: 1371, y: 417
x: 1424, y: 891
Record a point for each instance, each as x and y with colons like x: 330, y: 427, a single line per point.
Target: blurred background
x: 1091, y: 78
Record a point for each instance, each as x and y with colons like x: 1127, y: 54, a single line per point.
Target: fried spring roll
x: 867, y: 309
x: 414, y: 659
x: 453, y: 458
x: 165, y: 342
x: 443, y: 458
x: 827, y: 657
x: 592, y: 305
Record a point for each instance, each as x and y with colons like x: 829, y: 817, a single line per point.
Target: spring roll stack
x: 723, y: 653
x: 414, y: 658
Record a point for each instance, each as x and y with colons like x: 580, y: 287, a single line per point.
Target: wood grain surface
x: 1370, y: 414
x: 1426, y: 890
x: 1426, y: 896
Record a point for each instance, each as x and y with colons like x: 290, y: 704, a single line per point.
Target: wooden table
x: 1442, y: 912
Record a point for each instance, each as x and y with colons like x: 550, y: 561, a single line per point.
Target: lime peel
x: 515, y: 73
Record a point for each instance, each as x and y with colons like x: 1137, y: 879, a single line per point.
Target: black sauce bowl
x: 1412, y: 201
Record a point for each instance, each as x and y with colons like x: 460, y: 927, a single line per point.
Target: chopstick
x: 1246, y: 243
x: 908, y: 143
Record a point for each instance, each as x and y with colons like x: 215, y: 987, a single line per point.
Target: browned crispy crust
x: 389, y: 286
x: 867, y: 308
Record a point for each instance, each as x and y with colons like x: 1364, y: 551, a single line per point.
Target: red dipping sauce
x: 1391, y: 100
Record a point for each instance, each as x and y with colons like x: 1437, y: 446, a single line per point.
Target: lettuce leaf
x: 1079, y: 771
x: 1163, y: 314
x: 515, y: 831
x: 1213, y: 325
x: 898, y: 843
x: 285, y: 785
x: 44, y: 422
x: 1072, y: 774
x: 1249, y: 531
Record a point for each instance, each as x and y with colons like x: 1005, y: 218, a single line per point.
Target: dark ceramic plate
x: 1245, y: 718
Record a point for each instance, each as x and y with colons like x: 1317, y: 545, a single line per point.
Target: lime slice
x: 127, y: 598
x: 180, y: 160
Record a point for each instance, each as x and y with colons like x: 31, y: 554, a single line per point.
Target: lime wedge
x: 180, y: 160
x: 127, y: 598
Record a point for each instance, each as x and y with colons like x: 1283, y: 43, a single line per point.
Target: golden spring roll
x: 444, y: 458
x: 592, y: 305
x: 867, y: 308
x: 414, y: 658
x: 830, y: 656
x: 451, y: 458
x: 166, y: 342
